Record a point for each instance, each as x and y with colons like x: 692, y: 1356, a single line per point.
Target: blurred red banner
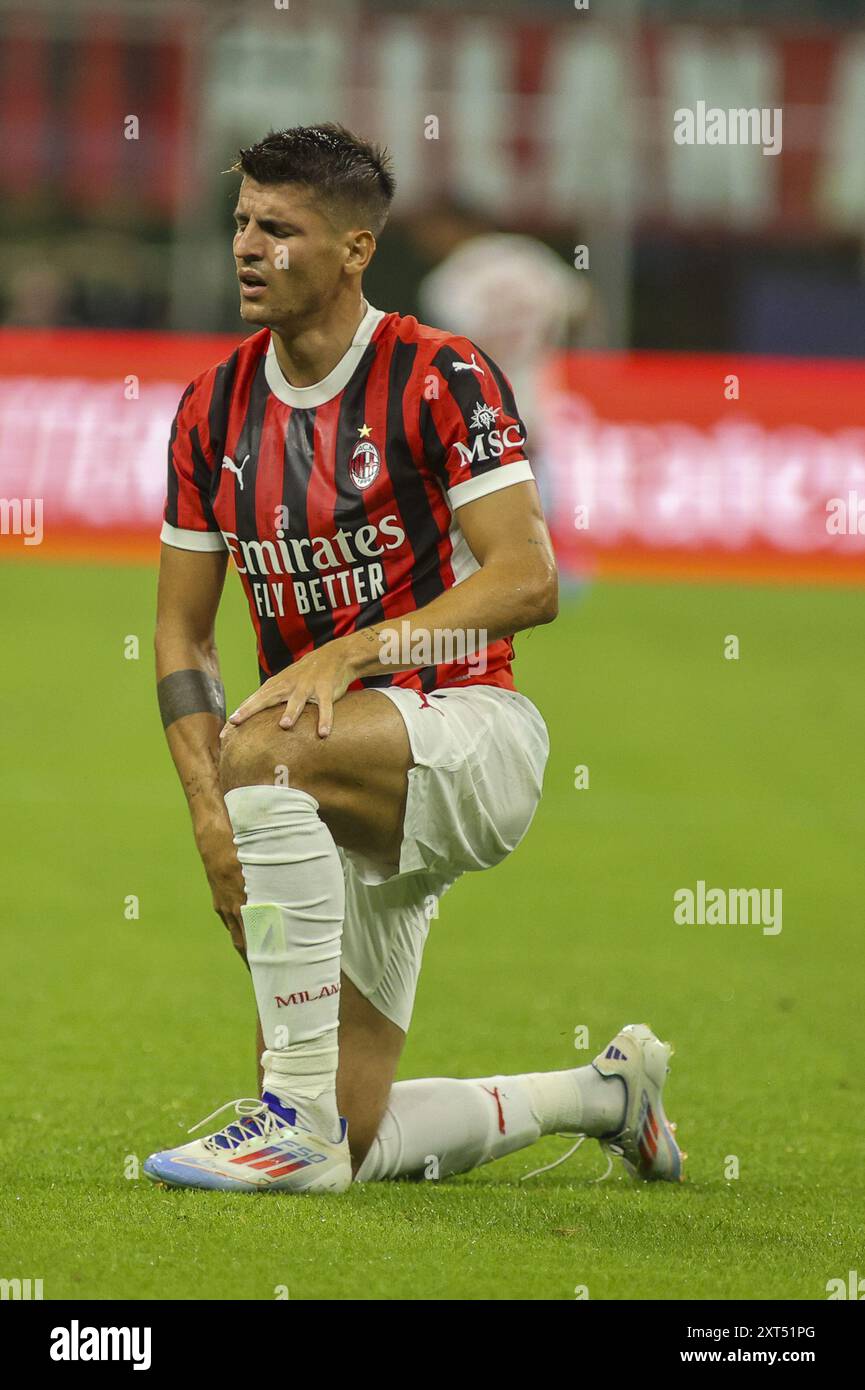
x: 84, y: 425
x: 696, y: 464
x: 651, y: 464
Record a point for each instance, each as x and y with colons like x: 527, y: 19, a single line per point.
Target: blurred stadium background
x: 696, y: 401
x: 552, y: 123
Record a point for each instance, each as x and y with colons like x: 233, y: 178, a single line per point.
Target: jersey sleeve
x: 189, y: 523
x: 473, y: 437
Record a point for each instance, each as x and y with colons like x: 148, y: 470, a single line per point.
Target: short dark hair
x: 352, y: 176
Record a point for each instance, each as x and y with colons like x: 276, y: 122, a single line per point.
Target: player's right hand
x: 225, y: 876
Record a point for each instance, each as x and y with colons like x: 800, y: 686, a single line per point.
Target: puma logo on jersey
x: 233, y: 468
x: 473, y: 366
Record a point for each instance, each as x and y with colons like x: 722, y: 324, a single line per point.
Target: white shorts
x: 479, y: 754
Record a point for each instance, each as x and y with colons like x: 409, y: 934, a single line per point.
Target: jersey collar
x: 306, y: 397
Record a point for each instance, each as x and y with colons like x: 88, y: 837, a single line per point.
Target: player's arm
x: 516, y: 586
x: 192, y: 708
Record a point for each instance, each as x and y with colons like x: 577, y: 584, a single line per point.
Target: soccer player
x: 368, y: 477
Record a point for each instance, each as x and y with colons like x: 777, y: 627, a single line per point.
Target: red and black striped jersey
x: 340, y: 502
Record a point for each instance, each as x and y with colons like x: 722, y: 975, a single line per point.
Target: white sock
x: 580, y: 1101
x: 439, y: 1126
x: 295, y: 903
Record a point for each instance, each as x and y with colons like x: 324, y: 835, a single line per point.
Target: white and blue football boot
x: 646, y: 1143
x: 262, y: 1150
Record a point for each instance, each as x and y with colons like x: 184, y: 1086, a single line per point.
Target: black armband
x: 189, y: 692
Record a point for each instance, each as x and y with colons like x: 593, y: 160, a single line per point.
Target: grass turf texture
x: 121, y: 1033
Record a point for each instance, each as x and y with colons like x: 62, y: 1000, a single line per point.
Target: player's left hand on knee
x: 320, y: 678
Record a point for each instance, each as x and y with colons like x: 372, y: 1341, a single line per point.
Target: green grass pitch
x: 119, y: 1033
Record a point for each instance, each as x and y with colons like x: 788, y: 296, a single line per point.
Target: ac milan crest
x: 364, y: 465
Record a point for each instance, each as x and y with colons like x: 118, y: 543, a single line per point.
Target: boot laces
x: 609, y: 1146
x: 254, y: 1120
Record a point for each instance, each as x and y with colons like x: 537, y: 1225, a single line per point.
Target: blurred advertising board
x: 685, y: 464
x: 650, y: 463
x: 84, y: 425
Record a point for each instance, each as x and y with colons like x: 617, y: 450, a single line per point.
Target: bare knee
x: 259, y: 753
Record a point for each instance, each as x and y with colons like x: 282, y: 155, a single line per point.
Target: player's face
x: 289, y: 257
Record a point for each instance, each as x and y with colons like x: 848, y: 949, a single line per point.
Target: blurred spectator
x: 509, y: 293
